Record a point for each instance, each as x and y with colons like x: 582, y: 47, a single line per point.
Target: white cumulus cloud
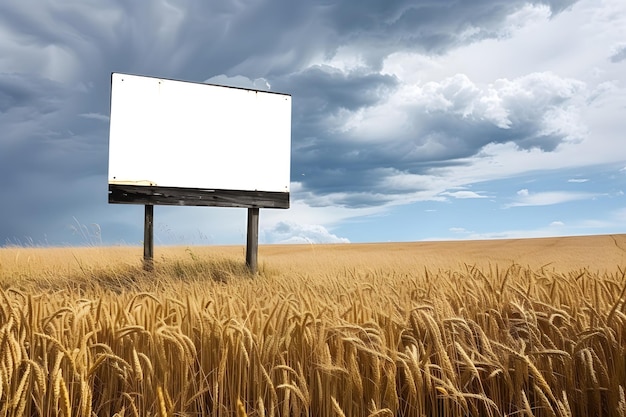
x: 288, y: 232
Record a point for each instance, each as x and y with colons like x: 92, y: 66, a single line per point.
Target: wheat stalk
x: 131, y: 401
x: 337, y: 407
x: 161, y: 402
x: 2, y: 382
x: 241, y: 410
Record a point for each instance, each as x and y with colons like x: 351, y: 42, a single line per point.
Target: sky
x: 411, y: 119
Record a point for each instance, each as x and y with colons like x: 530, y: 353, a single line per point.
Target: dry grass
x: 474, y: 328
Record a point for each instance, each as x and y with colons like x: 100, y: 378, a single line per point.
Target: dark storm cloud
x: 199, y: 39
x: 327, y: 89
x: 441, y: 125
x: 16, y: 91
x: 322, y: 93
x: 47, y: 153
x: 379, y: 28
x: 56, y: 59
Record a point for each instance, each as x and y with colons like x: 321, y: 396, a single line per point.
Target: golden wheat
x: 378, y: 333
x: 65, y: 404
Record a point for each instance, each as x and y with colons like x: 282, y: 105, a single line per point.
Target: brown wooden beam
x: 252, y: 244
x: 174, y: 196
x: 148, y: 238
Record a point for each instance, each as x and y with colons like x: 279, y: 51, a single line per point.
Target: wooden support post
x: 252, y: 246
x: 148, y: 238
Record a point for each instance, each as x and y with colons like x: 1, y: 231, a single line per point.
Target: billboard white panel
x: 168, y: 133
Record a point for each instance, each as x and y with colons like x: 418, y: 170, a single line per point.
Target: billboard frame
x: 140, y: 122
x: 174, y: 196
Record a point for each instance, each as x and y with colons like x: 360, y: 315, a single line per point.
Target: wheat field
x: 531, y: 327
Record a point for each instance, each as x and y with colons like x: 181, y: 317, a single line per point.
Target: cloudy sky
x: 412, y: 119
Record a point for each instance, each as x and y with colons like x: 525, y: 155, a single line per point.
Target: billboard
x: 184, y: 143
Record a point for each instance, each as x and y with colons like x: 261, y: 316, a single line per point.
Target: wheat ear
x: 66, y: 406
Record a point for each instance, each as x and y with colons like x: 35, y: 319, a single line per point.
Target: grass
x: 534, y: 328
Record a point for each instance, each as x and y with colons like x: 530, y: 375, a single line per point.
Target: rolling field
x: 531, y: 327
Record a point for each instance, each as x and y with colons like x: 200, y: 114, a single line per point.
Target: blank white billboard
x: 168, y: 133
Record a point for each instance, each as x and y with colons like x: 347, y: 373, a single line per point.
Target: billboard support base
x: 148, y: 238
x: 252, y: 244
